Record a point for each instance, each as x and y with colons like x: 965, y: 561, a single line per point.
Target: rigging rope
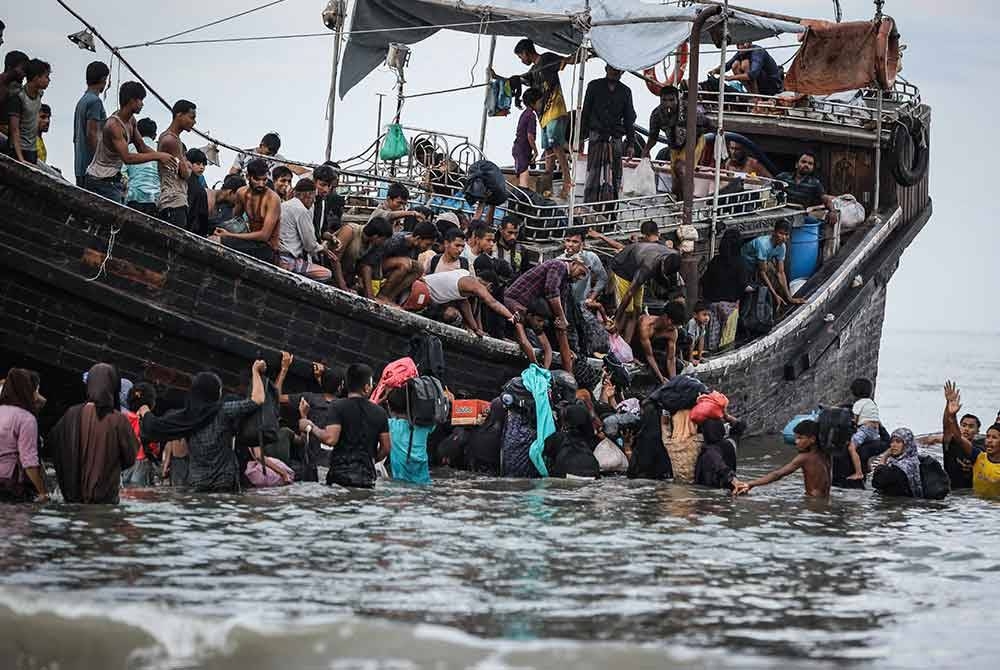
x: 346, y: 33
x: 207, y: 25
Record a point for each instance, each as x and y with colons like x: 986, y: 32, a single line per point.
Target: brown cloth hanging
x: 837, y: 57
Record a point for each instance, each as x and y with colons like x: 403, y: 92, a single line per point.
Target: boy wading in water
x: 813, y: 461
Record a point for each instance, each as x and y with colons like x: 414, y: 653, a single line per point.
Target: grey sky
x: 245, y: 90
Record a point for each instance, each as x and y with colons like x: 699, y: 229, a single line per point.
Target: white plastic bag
x: 610, y: 457
x: 620, y: 348
x: 852, y: 212
x: 640, y: 181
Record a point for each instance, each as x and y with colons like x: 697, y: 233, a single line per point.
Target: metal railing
x: 860, y: 112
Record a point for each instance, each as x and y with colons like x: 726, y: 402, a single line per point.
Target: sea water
x: 486, y: 573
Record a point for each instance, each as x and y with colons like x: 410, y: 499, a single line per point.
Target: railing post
x: 577, y: 141
x: 878, y: 154
x: 692, y: 108
x: 489, y: 83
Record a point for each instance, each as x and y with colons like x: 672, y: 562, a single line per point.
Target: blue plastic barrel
x: 805, y: 251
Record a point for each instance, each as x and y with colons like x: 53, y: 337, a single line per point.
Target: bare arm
x: 647, y: 350
x: 114, y: 135
x: 93, y: 133
x: 637, y: 282
x: 272, y: 214
x: 366, y: 280
x: 14, y: 121
x: 543, y: 340
x: 522, y: 340
x: 384, y: 444
x: 169, y: 145
x: 763, y: 276
x: 469, y: 318
x: 257, y: 389
x: 672, y: 356
x: 614, y: 244
x: 286, y: 363
x: 780, y: 473
x: 953, y: 398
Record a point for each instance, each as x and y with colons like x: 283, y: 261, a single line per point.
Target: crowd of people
x: 360, y: 428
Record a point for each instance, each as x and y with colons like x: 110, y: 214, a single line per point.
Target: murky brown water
x: 508, y: 573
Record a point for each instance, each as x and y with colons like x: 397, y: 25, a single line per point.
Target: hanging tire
x: 910, y: 151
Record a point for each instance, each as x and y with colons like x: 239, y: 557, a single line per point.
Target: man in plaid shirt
x: 550, y: 281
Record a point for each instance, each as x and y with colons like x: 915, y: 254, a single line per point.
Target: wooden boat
x: 83, y: 279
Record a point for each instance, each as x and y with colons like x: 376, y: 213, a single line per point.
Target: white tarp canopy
x: 627, y: 34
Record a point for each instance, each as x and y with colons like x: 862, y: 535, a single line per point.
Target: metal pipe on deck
x: 336, y: 13
x: 489, y: 68
x: 577, y: 141
x: 878, y: 153
x: 720, y: 133
x: 692, y: 108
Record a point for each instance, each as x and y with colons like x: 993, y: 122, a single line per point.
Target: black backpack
x: 836, y: 426
x: 934, y: 479
x: 261, y: 427
x: 426, y: 402
x: 757, y: 311
x: 517, y: 398
x: 428, y: 355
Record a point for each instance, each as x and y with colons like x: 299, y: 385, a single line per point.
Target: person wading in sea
x: 93, y: 442
x: 263, y: 209
x: 815, y: 464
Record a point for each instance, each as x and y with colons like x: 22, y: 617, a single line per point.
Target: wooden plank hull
x: 169, y: 304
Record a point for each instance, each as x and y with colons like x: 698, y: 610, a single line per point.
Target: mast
x: 720, y: 133
x: 334, y: 17
x: 489, y: 68
x: 692, y: 108
x: 577, y: 141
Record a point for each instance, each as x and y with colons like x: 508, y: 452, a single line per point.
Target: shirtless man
x: 656, y: 327
x: 741, y: 161
x: 262, y: 207
x: 813, y: 461
x: 455, y: 287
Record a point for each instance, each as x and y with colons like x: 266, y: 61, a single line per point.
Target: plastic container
x: 805, y: 251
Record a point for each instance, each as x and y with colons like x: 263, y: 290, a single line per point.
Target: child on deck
x: 866, y: 416
x: 697, y: 329
x: 525, y: 150
x: 815, y: 464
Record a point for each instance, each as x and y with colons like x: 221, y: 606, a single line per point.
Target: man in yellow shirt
x: 986, y: 461
x: 44, y: 119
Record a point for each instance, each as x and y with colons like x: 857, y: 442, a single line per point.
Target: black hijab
x: 726, y: 276
x: 202, y: 404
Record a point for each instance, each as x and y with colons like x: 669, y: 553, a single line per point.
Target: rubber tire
x: 910, y: 152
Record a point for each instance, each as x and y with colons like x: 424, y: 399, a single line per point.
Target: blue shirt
x: 413, y: 469
x: 763, y: 70
x: 761, y: 249
x: 143, y: 179
x: 89, y: 108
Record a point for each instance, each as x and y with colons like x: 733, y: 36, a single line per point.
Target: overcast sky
x: 244, y: 90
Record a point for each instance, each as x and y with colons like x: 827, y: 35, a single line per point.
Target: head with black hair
x: 197, y: 158
x: 17, y: 61
x: 230, y: 185
x: 332, y: 381
x: 993, y: 441
x: 969, y: 426
x: 282, y: 176
x: 44, y: 118
x: 806, y: 435
x: 19, y: 390
x: 781, y: 233
x: 269, y: 144
x: 359, y: 379
x: 36, y: 74
x: 131, y: 95
x: 396, y: 197
x: 862, y: 388
x: 649, y: 230
x: 97, y: 75
x: 481, y: 237
x: 257, y: 175
x: 806, y: 164
x: 676, y: 313
x: 141, y: 394
x: 326, y: 180
x: 525, y: 50
x: 305, y: 191
x: 185, y: 114
x: 377, y: 229
x: 147, y: 128
x: 532, y: 97
x: 538, y: 315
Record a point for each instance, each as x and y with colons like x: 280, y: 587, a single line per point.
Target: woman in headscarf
x: 898, y: 473
x: 722, y: 287
x: 209, y: 425
x: 21, y: 473
x: 570, y: 451
x: 716, y: 464
x: 93, y: 442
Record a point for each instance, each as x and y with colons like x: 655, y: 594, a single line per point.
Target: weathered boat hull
x: 168, y: 304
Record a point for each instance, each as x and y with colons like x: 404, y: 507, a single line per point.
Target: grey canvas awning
x: 627, y: 34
